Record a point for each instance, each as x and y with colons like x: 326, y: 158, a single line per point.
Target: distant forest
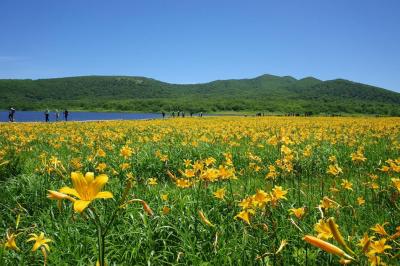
x: 266, y: 93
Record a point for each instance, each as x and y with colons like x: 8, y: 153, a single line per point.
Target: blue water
x: 31, y: 116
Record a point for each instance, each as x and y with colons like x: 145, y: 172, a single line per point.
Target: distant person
x: 11, y: 115
x: 183, y: 114
x: 66, y: 113
x: 57, y: 115
x: 173, y: 114
x: 179, y: 113
x: 191, y: 114
x: 201, y: 114
x: 46, y: 115
x: 163, y: 114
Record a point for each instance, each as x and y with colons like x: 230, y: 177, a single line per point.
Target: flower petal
x: 36, y: 246
x: 69, y: 191
x: 104, y: 195
x: 98, y: 184
x: 80, y: 205
x: 47, y: 247
x: 79, y: 182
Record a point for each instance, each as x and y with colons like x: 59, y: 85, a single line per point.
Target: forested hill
x: 266, y: 93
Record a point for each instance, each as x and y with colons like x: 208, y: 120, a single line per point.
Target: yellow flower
x: 323, y: 230
x: 327, y: 203
x: 126, y: 151
x: 279, y: 193
x: 86, y: 189
x: 187, y: 162
x: 182, y: 183
x: 360, y: 201
x: 260, y: 198
x: 334, y: 169
x: 358, y: 156
x: 189, y: 173
x: 374, y: 185
x: 124, y: 166
x: 164, y: 197
x: 246, y: 203
x: 209, y: 161
x: 332, y: 159
x: 165, y: 210
x: 40, y: 241
x: 272, y: 172
x: 346, y: 184
x: 245, y: 215
x: 10, y: 242
x: 101, y: 167
x: 379, y: 229
x: 220, y: 193
x: 378, y: 246
x: 101, y: 153
x: 152, y: 181
x: 299, y: 212
x: 365, y: 242
x: 396, y: 183
x: 375, y: 260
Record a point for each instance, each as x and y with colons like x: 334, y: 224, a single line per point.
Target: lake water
x: 31, y: 116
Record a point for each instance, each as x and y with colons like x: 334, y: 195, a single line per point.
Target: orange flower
x: 328, y: 247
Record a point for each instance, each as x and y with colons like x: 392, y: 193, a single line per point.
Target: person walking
x: 11, y: 115
x: 57, y: 115
x: 163, y: 114
x: 66, y: 113
x: 173, y: 114
x: 46, y: 115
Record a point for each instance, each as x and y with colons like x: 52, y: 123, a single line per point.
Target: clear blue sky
x: 190, y: 41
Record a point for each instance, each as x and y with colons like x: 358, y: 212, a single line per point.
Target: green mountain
x: 266, y: 93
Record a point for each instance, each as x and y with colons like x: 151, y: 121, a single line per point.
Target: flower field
x: 201, y: 191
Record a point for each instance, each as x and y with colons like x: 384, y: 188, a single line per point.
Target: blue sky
x: 192, y: 41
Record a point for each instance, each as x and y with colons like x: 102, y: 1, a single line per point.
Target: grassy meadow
x: 201, y: 191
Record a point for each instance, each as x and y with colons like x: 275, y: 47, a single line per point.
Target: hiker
x: 163, y: 114
x: 46, y: 115
x: 11, y: 114
x: 66, y: 113
x: 57, y: 115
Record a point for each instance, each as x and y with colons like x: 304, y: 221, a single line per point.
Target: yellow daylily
x: 86, y: 188
x: 323, y: 230
x: 40, y: 241
x: 298, y: 212
x: 378, y: 246
x: 220, y: 193
x: 245, y: 215
x: 10, y: 242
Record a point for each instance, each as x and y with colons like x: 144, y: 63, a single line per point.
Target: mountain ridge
x: 265, y: 93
